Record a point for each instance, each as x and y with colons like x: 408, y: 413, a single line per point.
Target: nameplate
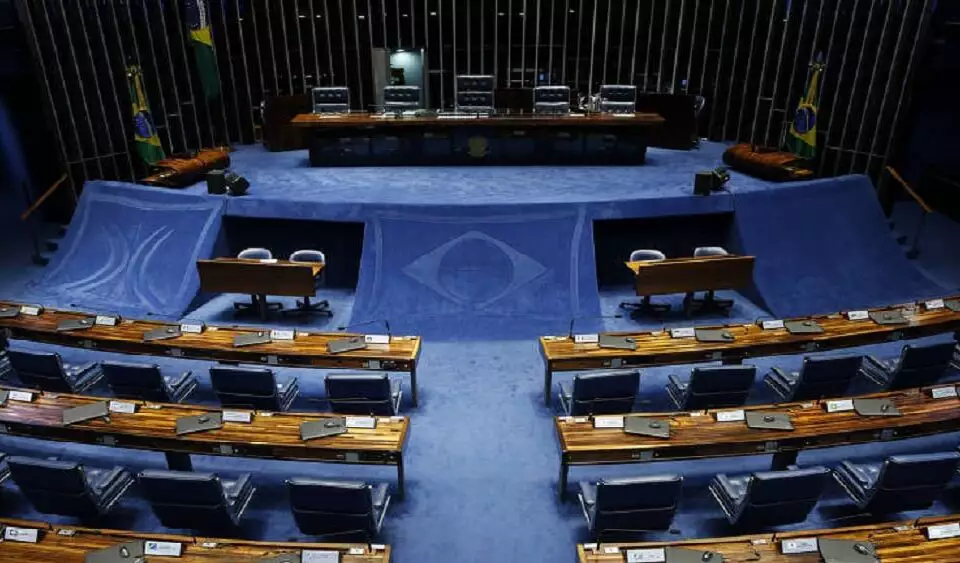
x: 682, y: 332
x: 373, y: 364
x: 611, y: 549
x: 191, y: 328
x: 31, y: 310
x: 799, y: 545
x: 283, y: 334
x: 654, y: 555
x: 106, y: 320
x: 377, y: 547
x: 771, y: 325
x: 608, y: 422
x: 943, y: 531
x: 66, y: 533
x: 586, y: 338
x: 319, y: 556
x: 934, y: 304
x: 730, y: 416
x: 840, y: 405
x: 376, y: 338
x: 590, y: 546
x: 943, y: 392
x: 162, y: 548
x: 238, y: 416
x: 25, y: 535
x: 267, y: 260
x: 360, y: 422
x: 24, y: 396
x: 356, y: 551
x: 857, y: 315
x: 122, y: 407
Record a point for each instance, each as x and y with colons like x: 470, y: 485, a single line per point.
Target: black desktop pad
x: 199, y: 423
x: 162, y: 333
x: 768, y: 421
x: 85, y: 412
x: 323, y: 428
x: 617, y: 342
x: 803, y: 327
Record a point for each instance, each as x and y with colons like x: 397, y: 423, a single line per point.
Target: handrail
x: 903, y: 183
x: 42, y: 198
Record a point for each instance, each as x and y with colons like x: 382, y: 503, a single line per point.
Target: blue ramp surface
x: 131, y: 250
x: 825, y: 246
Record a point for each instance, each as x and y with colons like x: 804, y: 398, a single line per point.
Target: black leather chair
x: 818, y: 378
x: 196, y: 501
x: 364, y: 394
x: 903, y: 482
x: 253, y: 388
x: 611, y: 392
x: 769, y: 498
x: 48, y: 372
x: 917, y: 366
x: 335, y: 508
x: 68, y: 488
x: 630, y: 505
x: 145, y: 382
x: 712, y: 387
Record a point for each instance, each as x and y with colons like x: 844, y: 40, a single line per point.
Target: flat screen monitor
x: 475, y: 101
x: 401, y: 98
x: 475, y: 83
x: 331, y: 99
x: 551, y: 99
x: 617, y: 98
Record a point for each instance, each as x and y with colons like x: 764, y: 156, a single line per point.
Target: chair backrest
x: 307, y: 255
x: 636, y: 504
x: 912, y: 482
x: 710, y: 251
x: 53, y: 487
x: 774, y: 498
x: 605, y: 393
x: 647, y: 255
x: 255, y: 254
x: 322, y: 507
x: 138, y: 381
x: 718, y: 386
x: 360, y: 394
x: 43, y: 370
x: 245, y: 387
x: 182, y: 499
x: 922, y: 365
x: 826, y: 377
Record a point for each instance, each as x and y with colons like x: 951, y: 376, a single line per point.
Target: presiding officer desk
x: 699, y: 434
x: 690, y: 274
x: 259, y: 278
x: 564, y: 353
x: 894, y: 542
x: 269, y: 435
x: 307, y: 349
x: 69, y: 544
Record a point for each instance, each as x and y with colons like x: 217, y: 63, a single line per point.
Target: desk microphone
x: 385, y: 322
x: 575, y: 319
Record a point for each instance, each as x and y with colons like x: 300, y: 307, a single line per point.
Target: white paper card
x: 590, y: 546
x: 586, y: 338
x: 730, y: 416
x: 933, y: 304
x: 580, y: 419
x: 360, y: 422
x: 608, y: 422
x: 943, y: 392
x: 377, y: 547
x: 857, y: 315
x: 283, y: 334
x: 319, y: 556
x: 799, y: 545
x: 840, y: 405
x: 356, y: 551
x: 611, y: 549
x: 682, y: 332
x: 105, y: 320
x: 123, y: 407
x: 237, y: 416
x: 771, y: 325
x: 24, y: 396
x: 376, y: 338
x: 191, y: 328
x: 268, y: 260
x: 654, y: 555
x: 943, y: 531
x: 31, y: 310
x: 162, y: 548
x: 25, y: 535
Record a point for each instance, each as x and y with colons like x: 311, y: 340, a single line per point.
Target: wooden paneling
x: 682, y: 275
x: 233, y: 275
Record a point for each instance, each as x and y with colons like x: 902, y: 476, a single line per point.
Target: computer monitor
x: 551, y: 99
x: 475, y: 83
x: 401, y: 98
x: 475, y: 102
x: 331, y: 99
x: 617, y: 98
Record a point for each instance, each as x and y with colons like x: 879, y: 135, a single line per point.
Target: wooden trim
x: 903, y: 183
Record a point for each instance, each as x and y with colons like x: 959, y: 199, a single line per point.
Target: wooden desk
x: 152, y: 427
x: 70, y: 544
x: 896, y: 542
x: 309, y: 349
x: 687, y: 275
x: 697, y: 434
x: 259, y: 278
x: 561, y: 353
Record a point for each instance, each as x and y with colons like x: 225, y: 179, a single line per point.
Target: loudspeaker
x: 216, y: 182
x: 236, y: 184
x: 708, y: 181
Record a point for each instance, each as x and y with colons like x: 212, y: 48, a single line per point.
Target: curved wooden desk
x: 895, y: 542
x: 152, y: 427
x: 561, y: 353
x: 698, y: 434
x: 309, y: 349
x: 69, y: 544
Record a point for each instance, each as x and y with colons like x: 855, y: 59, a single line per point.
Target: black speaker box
x: 216, y: 182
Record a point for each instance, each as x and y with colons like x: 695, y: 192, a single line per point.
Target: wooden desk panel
x: 233, y: 275
x: 356, y: 121
x: 697, y: 434
x: 896, y: 542
x: 560, y: 353
x: 69, y: 544
x: 309, y: 349
x: 683, y: 275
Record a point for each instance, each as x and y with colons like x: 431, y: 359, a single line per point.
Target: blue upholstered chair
x: 363, y: 394
x: 253, y: 388
x: 258, y: 303
x: 334, y: 508
x: 4, y: 468
x: 68, y: 488
x: 818, y: 378
x: 903, y: 482
x: 600, y: 393
x: 48, y: 372
x: 918, y: 365
x: 769, y: 498
x: 305, y: 306
x: 645, y: 306
x: 712, y: 387
x: 196, y: 501
x: 145, y: 382
x: 709, y: 302
x: 630, y: 505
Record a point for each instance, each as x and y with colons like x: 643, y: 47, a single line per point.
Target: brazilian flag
x: 802, y: 140
x: 201, y: 38
x: 144, y: 132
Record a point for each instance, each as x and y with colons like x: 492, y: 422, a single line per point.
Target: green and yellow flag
x: 201, y: 37
x: 144, y: 132
x: 802, y: 140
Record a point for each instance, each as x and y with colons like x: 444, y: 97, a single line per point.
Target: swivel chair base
x: 645, y: 307
x: 258, y: 305
x: 709, y: 303
x: 306, y: 307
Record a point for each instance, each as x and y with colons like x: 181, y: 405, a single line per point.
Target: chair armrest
x: 179, y: 380
x: 379, y: 495
x: 675, y: 379
x: 871, y: 362
x: 779, y: 371
x: 588, y: 491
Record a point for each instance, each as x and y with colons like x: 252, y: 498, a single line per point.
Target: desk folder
x: 199, y: 423
x: 323, y: 428
x: 642, y: 426
x: 162, y: 333
x: 127, y: 552
x: 768, y: 421
x: 847, y: 551
x: 875, y: 407
x: 888, y: 317
x: 346, y: 344
x: 617, y: 342
x: 251, y: 339
x: 85, y: 412
x: 75, y: 324
x: 803, y: 327
x: 682, y: 555
x: 714, y: 335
